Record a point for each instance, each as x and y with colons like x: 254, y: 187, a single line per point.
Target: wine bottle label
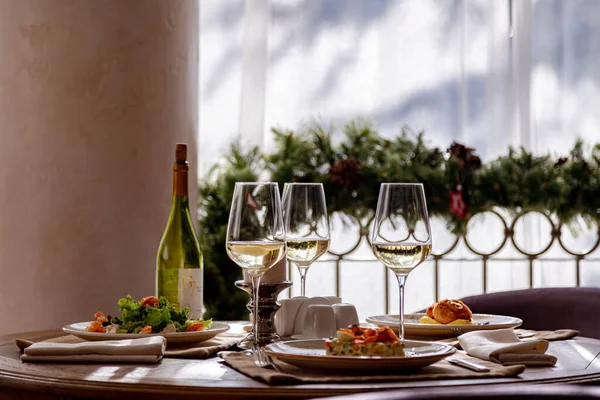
x: 190, y: 291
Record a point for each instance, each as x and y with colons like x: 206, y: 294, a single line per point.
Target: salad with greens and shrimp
x: 150, y: 315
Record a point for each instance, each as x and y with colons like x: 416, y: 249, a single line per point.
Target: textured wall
x: 93, y: 97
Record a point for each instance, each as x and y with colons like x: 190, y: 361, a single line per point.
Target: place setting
x: 304, y: 220
x: 122, y: 339
x: 167, y: 324
x: 322, y: 339
x: 310, y: 339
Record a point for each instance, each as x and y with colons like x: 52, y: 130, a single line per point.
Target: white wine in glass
x: 306, y: 225
x: 255, y: 258
x: 401, y: 259
x: 256, y: 240
x: 401, y: 236
x: 305, y: 251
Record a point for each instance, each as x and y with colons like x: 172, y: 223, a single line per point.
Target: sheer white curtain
x: 488, y: 73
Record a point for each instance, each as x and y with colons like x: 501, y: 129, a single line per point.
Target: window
x: 488, y: 73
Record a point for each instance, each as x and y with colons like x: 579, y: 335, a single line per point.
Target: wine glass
x: 256, y: 239
x: 306, y: 225
x: 401, y: 237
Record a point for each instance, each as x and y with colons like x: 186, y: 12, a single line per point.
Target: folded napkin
x: 192, y: 350
x: 502, y: 346
x: 527, y: 335
x: 144, y: 350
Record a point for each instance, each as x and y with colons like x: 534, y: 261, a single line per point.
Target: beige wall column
x: 93, y: 97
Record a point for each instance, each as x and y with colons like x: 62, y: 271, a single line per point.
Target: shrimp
x: 100, y: 317
x: 197, y: 326
x: 95, y: 326
x: 146, y: 329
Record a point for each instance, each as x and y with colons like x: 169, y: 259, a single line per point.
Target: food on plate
x: 95, y: 326
x: 359, y: 341
x: 150, y: 301
x: 150, y: 315
x: 453, y: 312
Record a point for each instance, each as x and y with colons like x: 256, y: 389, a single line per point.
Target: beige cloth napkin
x: 143, y: 350
x: 287, y: 374
x: 502, y: 346
x: 526, y: 335
x: 194, y: 350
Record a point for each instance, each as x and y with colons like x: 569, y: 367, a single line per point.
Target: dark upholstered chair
x: 545, y: 308
x: 483, y: 392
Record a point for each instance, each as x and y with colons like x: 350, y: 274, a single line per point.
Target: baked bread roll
x: 447, y: 311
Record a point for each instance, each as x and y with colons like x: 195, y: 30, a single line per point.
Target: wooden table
x: 578, y: 361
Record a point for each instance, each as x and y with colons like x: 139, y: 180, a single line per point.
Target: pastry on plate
x: 448, y: 311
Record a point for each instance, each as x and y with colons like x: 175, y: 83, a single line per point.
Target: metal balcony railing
x: 552, y: 247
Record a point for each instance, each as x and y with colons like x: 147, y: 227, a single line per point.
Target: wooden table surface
x: 578, y: 361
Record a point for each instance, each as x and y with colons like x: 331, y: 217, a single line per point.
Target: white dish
x: 412, y: 327
x: 310, y: 354
x: 78, y: 329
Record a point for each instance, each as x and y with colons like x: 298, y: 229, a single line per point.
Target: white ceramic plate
x: 412, y: 327
x: 78, y: 329
x: 310, y: 354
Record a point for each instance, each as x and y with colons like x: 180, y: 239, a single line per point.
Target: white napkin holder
x: 314, y: 317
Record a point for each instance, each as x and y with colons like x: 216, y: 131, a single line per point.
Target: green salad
x: 150, y: 315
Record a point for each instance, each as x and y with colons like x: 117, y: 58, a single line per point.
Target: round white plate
x: 412, y: 327
x: 311, y: 354
x: 78, y: 329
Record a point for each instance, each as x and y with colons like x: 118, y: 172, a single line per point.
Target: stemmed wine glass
x: 401, y: 237
x: 306, y: 225
x: 256, y: 239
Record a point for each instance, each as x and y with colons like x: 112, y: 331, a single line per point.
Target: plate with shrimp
x: 359, y: 350
x: 79, y: 329
x: 149, y: 316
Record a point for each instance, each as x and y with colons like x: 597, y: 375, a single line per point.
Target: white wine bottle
x: 179, y: 269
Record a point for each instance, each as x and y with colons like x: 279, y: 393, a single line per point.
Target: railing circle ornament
x: 358, y: 227
x: 575, y: 253
x: 544, y: 249
x: 449, y: 249
x: 441, y: 234
x: 495, y: 250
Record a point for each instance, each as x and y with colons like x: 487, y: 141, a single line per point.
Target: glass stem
x: 255, y: 299
x: 302, y: 270
x: 401, y: 281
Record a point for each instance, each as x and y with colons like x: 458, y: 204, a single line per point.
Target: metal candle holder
x: 267, y: 307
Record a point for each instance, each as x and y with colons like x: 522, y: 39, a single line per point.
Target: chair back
x: 545, y: 308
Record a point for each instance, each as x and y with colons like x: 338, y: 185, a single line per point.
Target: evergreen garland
x: 352, y: 167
